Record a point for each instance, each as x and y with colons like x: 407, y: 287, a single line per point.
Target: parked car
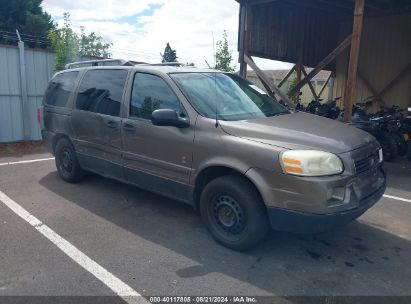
x: 215, y: 141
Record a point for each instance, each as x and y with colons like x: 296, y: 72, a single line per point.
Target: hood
x: 300, y: 131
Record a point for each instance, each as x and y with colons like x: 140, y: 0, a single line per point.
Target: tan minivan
x: 215, y: 141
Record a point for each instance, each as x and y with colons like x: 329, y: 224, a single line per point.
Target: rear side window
x: 60, y: 88
x: 151, y: 93
x: 101, y: 90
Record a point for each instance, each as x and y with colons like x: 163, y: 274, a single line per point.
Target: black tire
x: 234, y: 213
x: 409, y: 150
x: 389, y: 147
x: 67, y: 164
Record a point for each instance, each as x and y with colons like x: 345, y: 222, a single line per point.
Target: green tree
x: 223, y: 55
x: 28, y: 18
x: 64, y: 42
x: 92, y: 45
x: 169, y: 55
x: 69, y: 46
x: 293, y: 81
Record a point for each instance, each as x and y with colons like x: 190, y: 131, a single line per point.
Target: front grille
x: 365, y: 164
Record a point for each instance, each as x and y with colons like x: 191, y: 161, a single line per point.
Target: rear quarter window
x: 60, y: 88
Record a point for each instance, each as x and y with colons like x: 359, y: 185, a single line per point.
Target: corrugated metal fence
x: 19, y: 103
x: 15, y: 116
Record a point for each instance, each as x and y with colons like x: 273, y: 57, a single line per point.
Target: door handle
x: 129, y: 127
x: 112, y: 124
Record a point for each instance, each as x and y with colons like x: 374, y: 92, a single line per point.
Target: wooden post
x: 266, y: 81
x: 267, y: 88
x: 331, y: 90
x: 241, y: 41
x: 310, y: 84
x: 298, y: 69
x: 324, y: 85
x: 247, y: 34
x: 286, y: 76
x: 330, y: 57
x: 350, y: 87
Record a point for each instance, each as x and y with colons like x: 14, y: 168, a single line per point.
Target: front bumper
x: 308, y: 223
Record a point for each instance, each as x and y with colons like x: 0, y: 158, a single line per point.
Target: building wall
x: 385, y: 51
x: 307, y: 96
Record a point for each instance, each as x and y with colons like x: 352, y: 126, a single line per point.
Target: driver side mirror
x: 168, y: 117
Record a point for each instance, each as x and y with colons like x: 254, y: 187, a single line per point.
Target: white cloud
x: 97, y: 10
x: 189, y: 26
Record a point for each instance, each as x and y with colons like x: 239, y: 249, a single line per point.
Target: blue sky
x: 136, y: 18
x: 140, y: 29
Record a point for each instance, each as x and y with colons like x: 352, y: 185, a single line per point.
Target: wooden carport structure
x: 318, y: 33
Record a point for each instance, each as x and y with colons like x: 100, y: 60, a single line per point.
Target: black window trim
x: 146, y: 120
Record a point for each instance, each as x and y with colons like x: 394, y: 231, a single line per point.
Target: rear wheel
x: 389, y: 147
x: 67, y: 164
x: 234, y: 212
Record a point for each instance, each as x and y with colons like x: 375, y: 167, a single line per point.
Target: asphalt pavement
x: 159, y: 247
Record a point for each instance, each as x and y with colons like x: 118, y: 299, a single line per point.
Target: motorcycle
x: 380, y: 126
x: 394, y: 123
x: 406, y: 132
x: 387, y: 125
x: 327, y: 109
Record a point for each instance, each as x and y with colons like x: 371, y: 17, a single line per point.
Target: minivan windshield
x: 228, y: 95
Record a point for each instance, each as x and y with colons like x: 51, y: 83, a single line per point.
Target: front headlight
x: 310, y: 163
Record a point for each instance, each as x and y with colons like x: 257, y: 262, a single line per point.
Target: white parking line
x: 115, y: 284
x: 27, y: 161
x: 397, y: 198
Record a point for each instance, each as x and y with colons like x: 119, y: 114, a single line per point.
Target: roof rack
x: 165, y: 64
x: 117, y: 62
x: 98, y: 62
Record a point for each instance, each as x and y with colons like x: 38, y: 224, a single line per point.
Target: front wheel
x: 234, y: 212
x: 67, y: 164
